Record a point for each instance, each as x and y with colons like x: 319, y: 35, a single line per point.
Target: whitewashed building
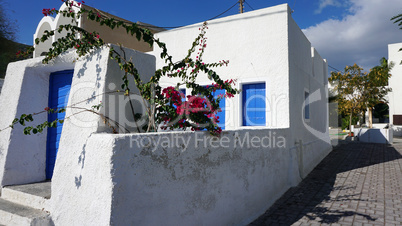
x: 171, y: 178
x: 395, y: 96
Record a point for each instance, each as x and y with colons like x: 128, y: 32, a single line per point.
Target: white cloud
x: 361, y: 37
x: 325, y: 3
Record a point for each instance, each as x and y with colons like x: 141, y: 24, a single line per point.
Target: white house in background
x: 395, y: 82
x: 101, y: 178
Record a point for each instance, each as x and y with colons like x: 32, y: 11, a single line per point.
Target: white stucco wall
x: 182, y: 178
x: 25, y: 91
x: 178, y: 178
x: 307, y: 73
x: 395, y: 96
x: 374, y: 135
x: 255, y: 43
x: 117, y: 105
x: 50, y: 23
x: 210, y: 184
x: 96, y: 74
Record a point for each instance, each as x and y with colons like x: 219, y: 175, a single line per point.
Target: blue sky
x: 343, y: 31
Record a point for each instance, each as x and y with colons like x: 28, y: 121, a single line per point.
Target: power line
x: 150, y: 26
x: 333, y: 68
x: 249, y: 5
x: 224, y: 12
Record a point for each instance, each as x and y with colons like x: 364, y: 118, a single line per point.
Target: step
x: 15, y: 214
x: 35, y: 195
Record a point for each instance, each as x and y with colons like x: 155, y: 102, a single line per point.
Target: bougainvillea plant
x: 166, y: 108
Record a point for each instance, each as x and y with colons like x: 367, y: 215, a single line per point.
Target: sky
x: 343, y: 31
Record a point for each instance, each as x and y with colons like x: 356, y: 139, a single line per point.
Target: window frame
x: 306, y: 106
x: 240, y: 101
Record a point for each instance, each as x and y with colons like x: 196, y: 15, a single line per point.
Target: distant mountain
x: 8, y: 51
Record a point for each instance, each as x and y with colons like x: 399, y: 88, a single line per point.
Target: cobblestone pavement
x: 356, y: 184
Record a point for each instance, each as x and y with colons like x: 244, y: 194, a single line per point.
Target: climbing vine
x: 165, y: 107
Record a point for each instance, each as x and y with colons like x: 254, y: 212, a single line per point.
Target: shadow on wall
x: 81, y: 160
x: 373, y: 135
x: 307, y: 199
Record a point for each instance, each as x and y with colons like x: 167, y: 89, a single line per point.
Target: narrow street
x: 356, y: 184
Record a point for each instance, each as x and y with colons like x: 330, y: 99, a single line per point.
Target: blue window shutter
x: 183, y: 91
x: 59, y: 89
x: 222, y: 105
x: 254, y: 106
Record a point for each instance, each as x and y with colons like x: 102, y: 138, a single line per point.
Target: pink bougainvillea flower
x: 46, y: 12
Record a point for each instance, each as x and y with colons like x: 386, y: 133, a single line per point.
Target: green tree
x: 349, y: 88
x: 8, y: 46
x: 375, y: 86
x: 398, y: 20
x: 358, y: 91
x: 7, y: 35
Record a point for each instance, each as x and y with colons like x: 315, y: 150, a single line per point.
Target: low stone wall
x: 182, y: 178
x: 380, y: 125
x: 397, y: 131
x: 383, y: 136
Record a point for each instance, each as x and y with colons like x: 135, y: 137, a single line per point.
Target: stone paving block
x: 392, y: 222
x: 389, y: 218
x: 356, y: 184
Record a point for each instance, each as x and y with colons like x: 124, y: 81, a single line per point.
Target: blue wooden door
x: 254, y: 108
x: 59, y: 89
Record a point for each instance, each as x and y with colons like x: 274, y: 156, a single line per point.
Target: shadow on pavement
x: 315, y: 196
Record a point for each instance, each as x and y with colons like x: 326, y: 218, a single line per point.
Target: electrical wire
x: 333, y: 68
x: 150, y: 26
x: 224, y: 12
